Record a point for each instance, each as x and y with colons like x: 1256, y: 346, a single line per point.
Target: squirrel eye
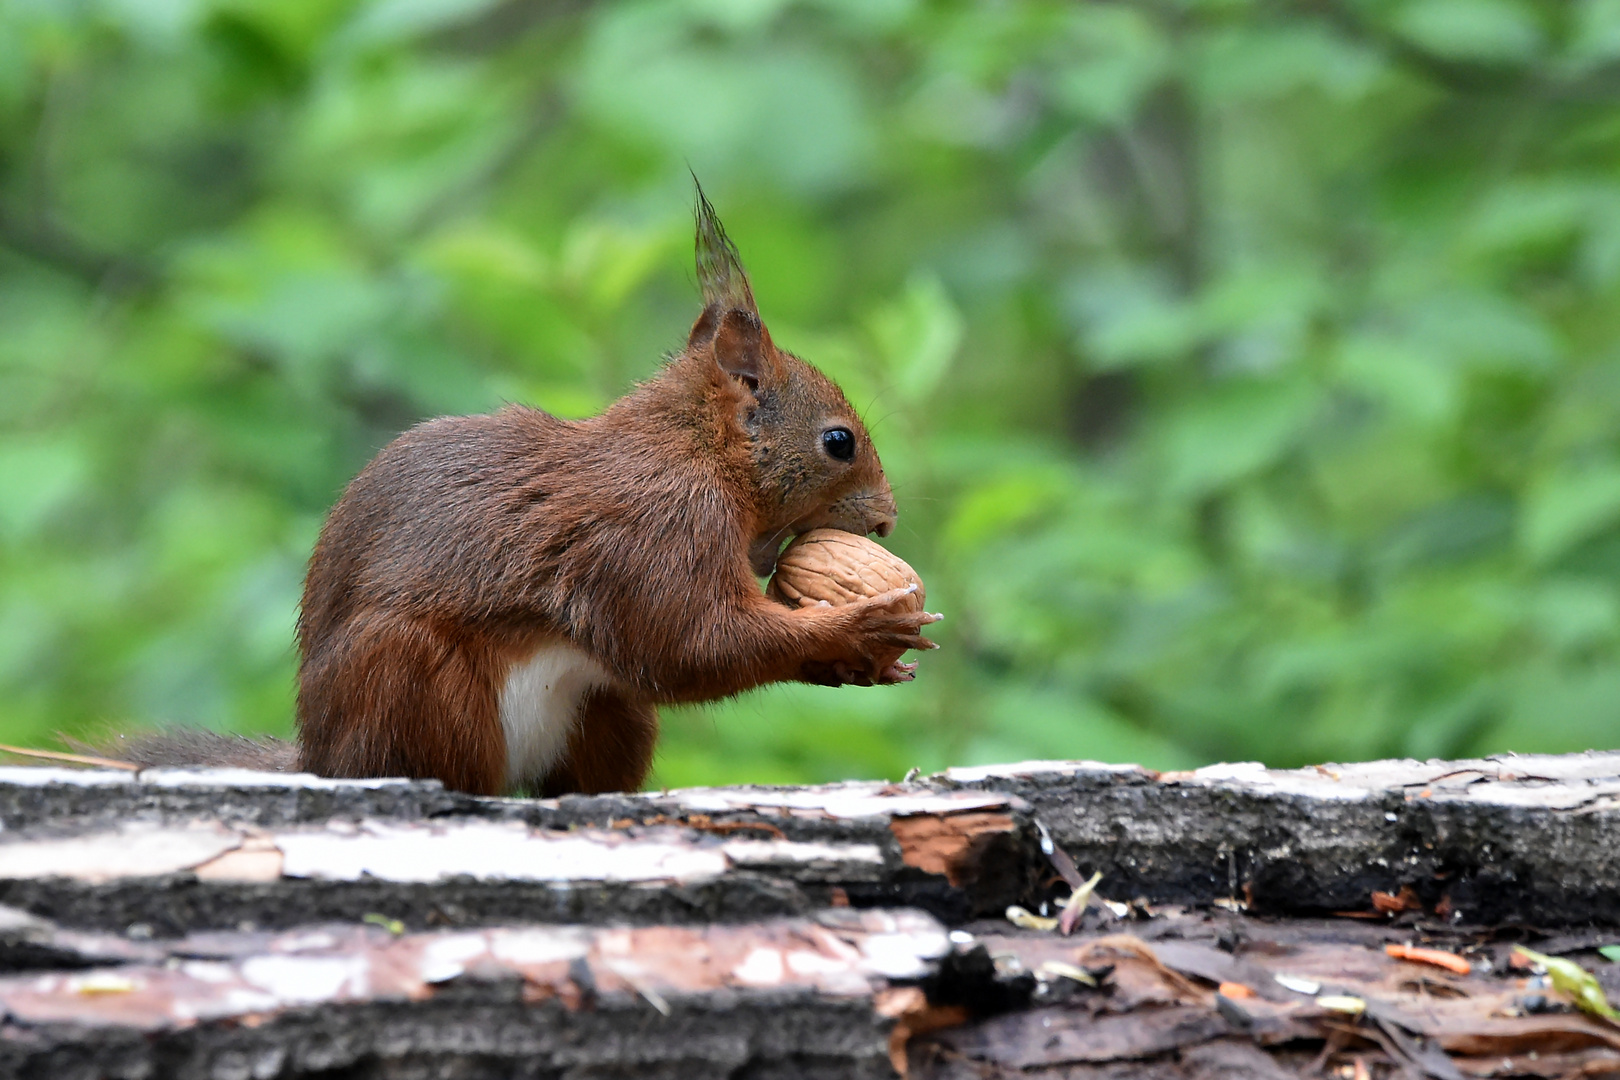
x: 839, y: 442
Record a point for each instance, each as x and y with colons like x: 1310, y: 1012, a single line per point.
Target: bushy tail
x: 182, y: 748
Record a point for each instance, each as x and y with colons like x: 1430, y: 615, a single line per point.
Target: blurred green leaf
x: 390, y: 21
x: 1484, y: 30
x: 1597, y: 31
x: 917, y: 337
x: 1116, y: 55
x: 1260, y: 61
x: 1231, y: 430
x: 1565, y: 507
x: 37, y: 478
x: 1129, y: 315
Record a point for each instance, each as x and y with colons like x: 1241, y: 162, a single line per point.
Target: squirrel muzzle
x: 865, y: 510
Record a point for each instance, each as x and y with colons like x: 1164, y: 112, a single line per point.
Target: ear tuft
x: 719, y: 269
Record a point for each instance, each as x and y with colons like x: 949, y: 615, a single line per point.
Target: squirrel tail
x: 180, y: 747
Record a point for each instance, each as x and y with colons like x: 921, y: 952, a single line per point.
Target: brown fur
x: 635, y: 536
x: 610, y: 749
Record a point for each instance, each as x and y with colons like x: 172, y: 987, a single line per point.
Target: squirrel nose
x: 881, y: 501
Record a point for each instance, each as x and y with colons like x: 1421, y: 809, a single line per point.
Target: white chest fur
x: 540, y: 706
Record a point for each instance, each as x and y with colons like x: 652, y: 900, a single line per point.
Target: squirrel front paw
x: 844, y: 673
x: 890, y: 621
x: 874, y: 633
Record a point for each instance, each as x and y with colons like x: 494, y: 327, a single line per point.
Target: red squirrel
x: 501, y: 602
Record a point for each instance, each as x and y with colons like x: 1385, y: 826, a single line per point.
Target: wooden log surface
x: 182, y: 851
x: 229, y: 924
x: 1490, y: 841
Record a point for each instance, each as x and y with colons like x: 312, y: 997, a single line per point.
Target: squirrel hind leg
x: 392, y: 696
x: 610, y: 747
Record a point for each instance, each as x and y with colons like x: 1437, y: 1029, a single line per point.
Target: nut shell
x: 840, y: 568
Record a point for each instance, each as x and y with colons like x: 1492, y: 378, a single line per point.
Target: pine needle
x: 72, y: 759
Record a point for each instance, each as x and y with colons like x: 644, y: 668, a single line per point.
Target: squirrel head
x: 814, y: 465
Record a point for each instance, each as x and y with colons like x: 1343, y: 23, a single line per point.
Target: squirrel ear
x: 739, y: 341
x: 703, y: 330
x: 740, y: 345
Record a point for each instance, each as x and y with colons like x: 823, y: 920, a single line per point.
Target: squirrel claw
x: 898, y: 672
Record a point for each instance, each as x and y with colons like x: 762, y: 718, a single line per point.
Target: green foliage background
x: 1247, y: 369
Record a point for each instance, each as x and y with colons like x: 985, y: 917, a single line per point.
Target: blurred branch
x: 36, y: 234
x: 46, y: 242
x: 1464, y: 76
x: 542, y: 116
x: 500, y: 25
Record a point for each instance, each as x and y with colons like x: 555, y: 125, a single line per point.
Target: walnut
x: 840, y: 568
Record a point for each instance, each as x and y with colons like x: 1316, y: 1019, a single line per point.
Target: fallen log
x: 194, y: 850
x: 678, y: 1001
x: 1513, y: 838
x: 1246, y: 922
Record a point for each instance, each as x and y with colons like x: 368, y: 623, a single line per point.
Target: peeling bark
x: 230, y: 924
